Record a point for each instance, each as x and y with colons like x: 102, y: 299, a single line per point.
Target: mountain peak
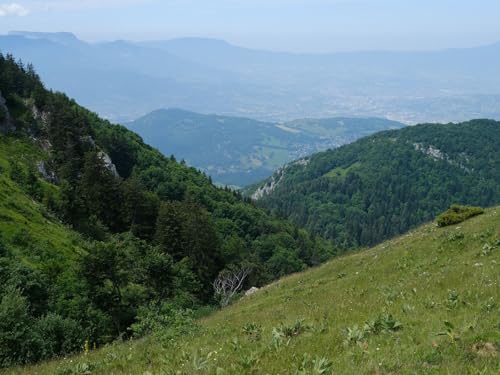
x: 56, y: 37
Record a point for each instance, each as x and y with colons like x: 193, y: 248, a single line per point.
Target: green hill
x: 35, y: 236
x: 424, y: 303
x: 240, y: 151
x: 98, y: 229
x: 387, y: 183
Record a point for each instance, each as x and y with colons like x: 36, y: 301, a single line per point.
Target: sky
x: 284, y: 25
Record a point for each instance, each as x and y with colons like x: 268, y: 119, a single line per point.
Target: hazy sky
x: 293, y: 25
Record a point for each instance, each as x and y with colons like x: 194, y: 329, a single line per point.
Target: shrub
x: 165, y: 320
x: 57, y: 336
x: 456, y: 214
x: 15, y: 326
x: 24, y: 339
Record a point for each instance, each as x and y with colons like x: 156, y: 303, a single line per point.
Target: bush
x: 23, y: 339
x: 57, y: 336
x: 456, y: 214
x: 164, y: 320
x: 15, y: 325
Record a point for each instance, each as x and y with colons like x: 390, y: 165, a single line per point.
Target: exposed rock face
x: 269, y: 187
x: 40, y: 116
x: 437, y: 154
x: 47, y: 175
x: 6, y: 124
x: 89, y: 140
x: 108, y: 163
x: 251, y: 291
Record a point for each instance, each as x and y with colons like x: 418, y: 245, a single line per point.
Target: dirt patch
x: 485, y: 349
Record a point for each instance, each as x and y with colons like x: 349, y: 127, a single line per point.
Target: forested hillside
x: 240, y: 151
x: 100, y: 232
x: 382, y: 185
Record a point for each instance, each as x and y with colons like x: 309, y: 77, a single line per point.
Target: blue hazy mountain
x: 124, y: 80
x: 241, y: 151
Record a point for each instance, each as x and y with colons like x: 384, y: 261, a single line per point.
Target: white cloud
x: 13, y: 9
x: 66, y: 5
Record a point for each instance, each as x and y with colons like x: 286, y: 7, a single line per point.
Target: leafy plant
x: 453, y: 299
x: 248, y: 362
x: 383, y: 323
x: 200, y: 362
x: 314, y: 366
x: 449, y: 332
x: 294, y: 329
x: 322, y: 365
x: 355, y: 335
x: 253, y: 331
x: 487, y: 249
x: 456, y: 236
x: 489, y: 305
x: 83, y: 368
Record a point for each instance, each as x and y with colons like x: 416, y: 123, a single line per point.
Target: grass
x: 427, y: 302
x: 34, y: 235
x: 340, y: 172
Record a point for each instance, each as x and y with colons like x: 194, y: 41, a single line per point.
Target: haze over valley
x: 124, y: 80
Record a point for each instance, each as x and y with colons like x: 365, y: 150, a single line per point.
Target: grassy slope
x: 424, y: 278
x: 31, y: 232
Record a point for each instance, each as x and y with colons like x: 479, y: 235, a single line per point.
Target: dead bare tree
x: 228, y: 283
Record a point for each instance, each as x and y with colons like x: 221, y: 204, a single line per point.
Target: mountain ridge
x: 240, y: 151
x: 69, y: 36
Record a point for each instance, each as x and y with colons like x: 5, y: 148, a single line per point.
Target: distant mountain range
x: 240, y: 151
x: 124, y: 80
